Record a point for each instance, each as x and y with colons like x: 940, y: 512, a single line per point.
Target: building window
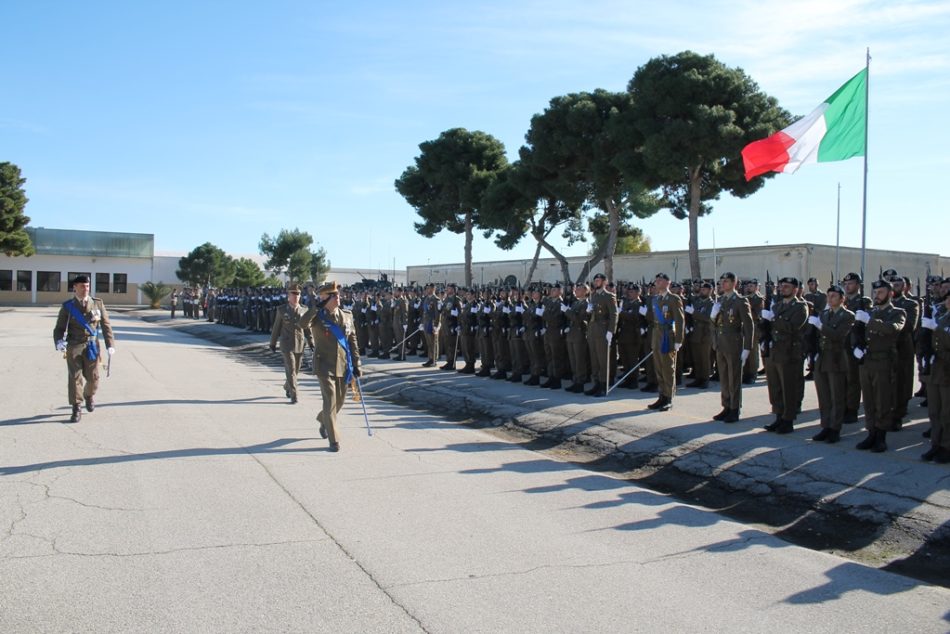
x: 6, y: 280
x: 48, y: 281
x: 24, y: 280
x: 102, y: 283
x: 69, y: 280
x: 119, y: 283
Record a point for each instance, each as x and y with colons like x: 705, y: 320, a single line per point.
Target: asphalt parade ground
x: 197, y: 498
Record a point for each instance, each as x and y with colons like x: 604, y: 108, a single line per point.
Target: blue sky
x: 220, y: 121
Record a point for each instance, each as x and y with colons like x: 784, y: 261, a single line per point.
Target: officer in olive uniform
x: 335, y: 360
x: 732, y: 318
x: 400, y: 322
x: 386, y: 324
x: 290, y: 329
x: 878, y: 359
x: 904, y: 370
x: 814, y: 295
x: 938, y: 385
x: 486, y: 350
x: 701, y: 338
x: 629, y: 339
x: 786, y: 381
x: 431, y: 325
x: 756, y: 304
x: 854, y: 301
x: 831, y: 367
x: 601, y: 329
x: 668, y: 324
x: 76, y: 333
x: 468, y: 329
x: 533, y: 339
x: 499, y: 335
x: 575, y: 337
x: 451, y: 312
x: 520, y: 363
x: 555, y: 347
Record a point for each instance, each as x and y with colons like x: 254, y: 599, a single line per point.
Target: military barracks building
x: 117, y: 265
x: 798, y: 260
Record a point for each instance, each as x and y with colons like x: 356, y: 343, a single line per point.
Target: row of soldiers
x: 253, y: 309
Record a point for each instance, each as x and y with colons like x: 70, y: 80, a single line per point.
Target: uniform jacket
x: 289, y: 325
x: 629, y: 320
x: 671, y: 306
x: 329, y: 358
x: 702, y: 321
x: 818, y: 299
x: 882, y: 332
x: 400, y: 313
x: 911, y: 308
x: 603, y: 318
x: 431, y: 315
x: 734, y: 326
x: 940, y: 370
x: 94, y: 312
x: 451, y: 311
x: 787, y: 325
x: 577, y: 321
x: 833, y: 346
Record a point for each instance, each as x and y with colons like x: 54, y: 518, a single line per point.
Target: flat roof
x: 91, y: 243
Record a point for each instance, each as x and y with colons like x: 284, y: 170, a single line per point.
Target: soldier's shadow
x: 259, y: 400
x: 39, y: 418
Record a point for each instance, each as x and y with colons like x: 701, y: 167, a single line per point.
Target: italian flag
x: 834, y: 131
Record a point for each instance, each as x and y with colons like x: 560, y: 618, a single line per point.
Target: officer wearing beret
x: 786, y: 382
x: 76, y: 332
x: 814, y: 295
x: 555, y: 346
x: 290, y: 329
x: 668, y: 320
x: 938, y: 391
x: 831, y: 368
x: 629, y: 337
x: 756, y: 303
x: 732, y: 319
x: 701, y: 338
x: 854, y: 301
x: 575, y: 337
x: 431, y: 325
x: 904, y: 370
x: 335, y: 358
x: 878, y: 357
x: 602, y: 326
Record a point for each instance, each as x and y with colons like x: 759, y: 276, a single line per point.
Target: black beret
x: 789, y: 280
x: 662, y: 276
x: 707, y: 285
x: 834, y: 288
x: 752, y: 280
x: 728, y: 275
x: 556, y: 285
x: 852, y: 277
x: 600, y: 276
x: 676, y: 285
x: 889, y: 273
x: 812, y: 279
x: 633, y: 287
x: 882, y: 284
x: 81, y: 279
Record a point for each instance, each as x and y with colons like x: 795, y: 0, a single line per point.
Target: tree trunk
x: 565, y: 266
x: 593, y: 261
x: 695, y: 191
x: 468, y: 248
x: 534, y: 265
x: 613, y: 219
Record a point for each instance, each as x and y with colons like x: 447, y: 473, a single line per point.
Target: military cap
x: 789, y: 280
x: 812, y: 279
x: 80, y: 279
x: 451, y: 285
x: 581, y: 284
x: 662, y: 276
x: 889, y: 273
x: 752, y: 280
x: 852, y: 277
x: 882, y: 284
x: 707, y: 285
x: 728, y: 275
x: 600, y: 276
x: 556, y: 285
x: 834, y: 288
x: 329, y: 288
x: 635, y: 287
x: 294, y: 288
x: 676, y: 285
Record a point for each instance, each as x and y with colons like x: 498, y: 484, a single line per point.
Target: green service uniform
x: 831, y: 367
x: 906, y: 357
x: 784, y: 372
x: 82, y: 372
x: 878, y: 366
x: 668, y: 330
x: 735, y: 332
x: 289, y: 330
x: 603, y: 320
x: 330, y: 364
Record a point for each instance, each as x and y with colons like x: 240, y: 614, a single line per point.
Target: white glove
x: 715, y: 310
x: 643, y: 332
x: 563, y: 308
x: 677, y: 346
x: 928, y: 323
x: 744, y: 355
x: 506, y: 310
x: 544, y: 330
x: 111, y: 352
x: 454, y: 312
x: 610, y: 336
x: 487, y: 310
x: 862, y: 316
x: 815, y: 321
x: 61, y: 345
x: 590, y: 307
x: 422, y: 328
x: 858, y: 354
x: 539, y: 311
x: 767, y: 315
x: 643, y: 311
x: 689, y: 309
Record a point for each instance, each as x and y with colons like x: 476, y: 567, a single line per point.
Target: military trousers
x: 373, y: 342
x: 432, y: 346
x: 702, y: 357
x: 832, y: 389
x: 555, y: 352
x: 333, y: 394
x: 877, y: 384
x: 904, y: 374
x: 486, y: 351
x: 469, y: 349
x: 650, y: 366
x: 386, y: 337
x: 291, y: 370
x: 399, y: 336
x: 599, y: 351
x: 82, y: 373
x: 785, y: 394
x: 853, y: 375
x: 665, y: 365
x: 938, y: 410
x: 452, y: 336
x: 751, y: 367
x: 629, y: 350
x: 499, y: 339
x: 729, y: 363
x: 520, y: 363
x: 577, y: 357
x: 535, y: 345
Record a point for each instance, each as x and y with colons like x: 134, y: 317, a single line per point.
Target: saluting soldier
x: 854, y: 301
x: 451, y: 311
x: 831, y: 367
x: 786, y: 382
x: 468, y: 329
x: 668, y: 324
x: 335, y: 361
x: 520, y: 363
x: 290, y: 329
x: 904, y: 370
x: 878, y: 359
x: 701, y: 338
x: 533, y: 338
x: 76, y: 334
x: 575, y: 338
x: 938, y: 385
x: 629, y: 339
x: 735, y: 331
x: 601, y: 329
x: 431, y: 325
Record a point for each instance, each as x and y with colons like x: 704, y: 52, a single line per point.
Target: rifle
x: 925, y: 342
x: 765, y: 326
x: 858, y: 336
x: 812, y: 339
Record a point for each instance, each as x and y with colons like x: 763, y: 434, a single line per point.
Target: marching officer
x: 831, y: 368
x: 290, y: 329
x: 735, y: 330
x: 76, y: 335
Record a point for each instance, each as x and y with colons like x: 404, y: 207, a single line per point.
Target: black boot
x: 833, y: 437
x: 555, y: 384
x: 850, y: 416
x: 77, y: 415
x: 929, y: 455
x: 868, y: 442
x: 774, y: 424
x: 722, y: 414
x: 90, y: 405
x: 515, y: 377
x: 534, y: 379
x: 880, y: 445
x: 600, y: 390
x: 427, y: 364
x: 593, y: 389
x: 822, y: 435
x: 702, y: 385
x: 576, y: 388
x: 447, y: 366
x: 484, y: 372
x: 500, y: 375
x: 732, y: 416
x: 658, y: 403
x: 666, y: 405
x: 786, y: 427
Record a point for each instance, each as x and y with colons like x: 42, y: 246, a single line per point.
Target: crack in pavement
x: 60, y: 552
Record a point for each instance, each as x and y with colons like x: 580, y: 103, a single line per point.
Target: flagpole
x: 864, y: 202
x: 837, y: 240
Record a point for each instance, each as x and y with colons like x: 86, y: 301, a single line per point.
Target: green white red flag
x: 834, y: 131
